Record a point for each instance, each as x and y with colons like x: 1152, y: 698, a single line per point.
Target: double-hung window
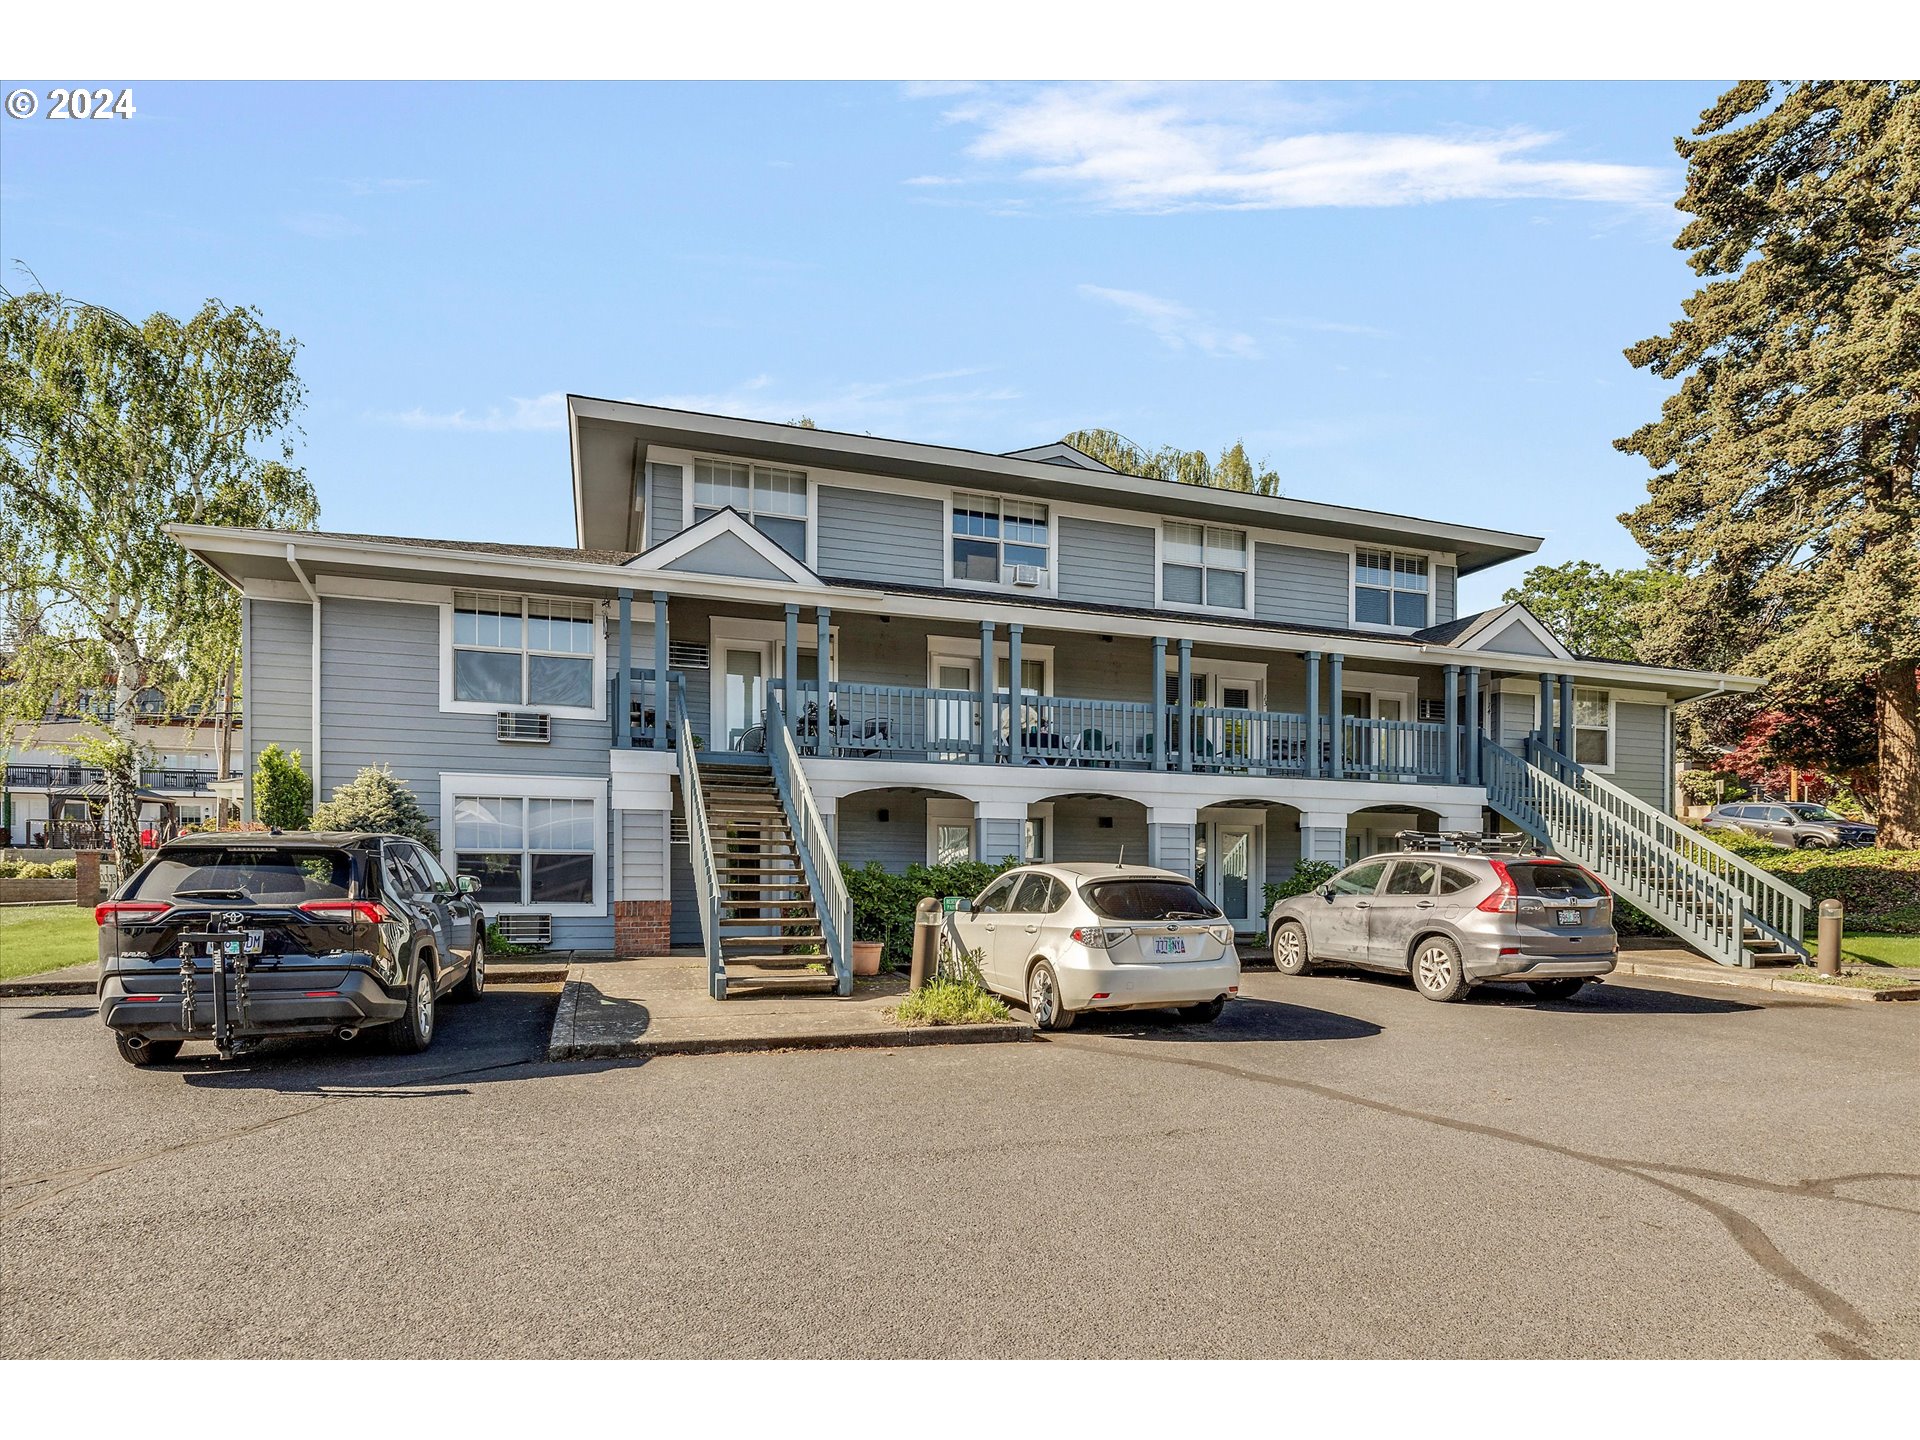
x: 772, y: 500
x: 519, y: 650
x: 526, y: 850
x: 1390, y: 588
x: 991, y: 536
x: 1592, y: 717
x: 1204, y: 565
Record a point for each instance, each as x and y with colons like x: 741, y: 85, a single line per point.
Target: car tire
x: 1290, y: 955
x: 1043, y: 999
x: 1812, y: 842
x: 1205, y: 1013
x: 1563, y: 989
x: 1437, y: 970
x: 154, y: 1052
x: 474, y: 983
x: 413, y: 1031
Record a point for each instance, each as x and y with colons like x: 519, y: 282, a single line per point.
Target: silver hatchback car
x: 1451, y: 915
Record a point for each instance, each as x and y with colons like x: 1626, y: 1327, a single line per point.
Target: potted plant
x: 869, y: 942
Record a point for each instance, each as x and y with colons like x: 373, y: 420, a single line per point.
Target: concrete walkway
x: 660, y: 1006
x: 1637, y: 957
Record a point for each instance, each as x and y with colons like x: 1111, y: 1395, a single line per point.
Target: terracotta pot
x: 866, y: 957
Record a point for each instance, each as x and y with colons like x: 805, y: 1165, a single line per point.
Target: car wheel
x: 1205, y: 1013
x: 1290, y: 955
x: 474, y: 984
x: 1043, y: 999
x: 413, y: 1031
x: 154, y: 1052
x: 1437, y: 971
x: 1812, y: 842
x: 1557, y: 989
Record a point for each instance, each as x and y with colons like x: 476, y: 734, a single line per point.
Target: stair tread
x: 770, y: 942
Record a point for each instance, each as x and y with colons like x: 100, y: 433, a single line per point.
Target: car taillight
x: 1099, y: 937
x: 367, y: 910
x: 114, y: 909
x: 1505, y: 900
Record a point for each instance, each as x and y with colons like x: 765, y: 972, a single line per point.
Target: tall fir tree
x: 1785, y: 490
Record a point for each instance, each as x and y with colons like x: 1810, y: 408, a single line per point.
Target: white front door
x: 1228, y: 864
x: 952, y: 719
x: 745, y: 666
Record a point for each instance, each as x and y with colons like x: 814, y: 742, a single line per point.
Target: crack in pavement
x: 78, y: 1175
x: 1746, y: 1233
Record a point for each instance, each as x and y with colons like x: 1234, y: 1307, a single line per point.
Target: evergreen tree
x: 374, y: 803
x: 282, y: 793
x: 1786, y: 491
x: 1591, y: 610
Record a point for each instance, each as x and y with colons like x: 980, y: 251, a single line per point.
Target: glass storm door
x: 744, y: 698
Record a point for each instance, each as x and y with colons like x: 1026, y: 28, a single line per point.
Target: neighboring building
x: 1134, y: 613
x: 45, y: 787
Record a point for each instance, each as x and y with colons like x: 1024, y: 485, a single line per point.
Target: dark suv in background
x: 1794, y: 824
x: 232, y: 937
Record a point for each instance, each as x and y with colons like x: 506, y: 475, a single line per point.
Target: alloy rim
x: 1040, y: 1002
x: 1436, y: 968
x: 1287, y: 947
x: 479, y: 965
x: 423, y: 1002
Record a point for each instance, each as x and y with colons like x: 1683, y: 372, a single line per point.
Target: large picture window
x: 1204, y: 565
x: 990, y: 535
x: 513, y: 650
x: 773, y: 500
x: 1390, y: 588
x: 526, y: 850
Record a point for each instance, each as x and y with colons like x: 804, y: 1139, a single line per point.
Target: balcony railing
x: 908, y: 723
x: 73, y: 777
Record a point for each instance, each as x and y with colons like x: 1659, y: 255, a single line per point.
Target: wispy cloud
x: 541, y: 412
x: 322, y: 225
x: 1331, y: 327
x: 1175, y: 325
x: 381, y: 185
x: 1159, y: 148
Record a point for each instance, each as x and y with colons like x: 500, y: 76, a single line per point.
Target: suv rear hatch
x: 291, y: 906
x: 1561, y: 909
x: 1156, y: 921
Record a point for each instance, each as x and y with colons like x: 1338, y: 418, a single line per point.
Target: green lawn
x: 1900, y: 950
x: 45, y: 937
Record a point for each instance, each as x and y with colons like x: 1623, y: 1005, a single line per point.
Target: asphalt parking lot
x: 1338, y: 1168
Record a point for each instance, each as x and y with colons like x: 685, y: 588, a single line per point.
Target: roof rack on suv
x: 1467, y: 842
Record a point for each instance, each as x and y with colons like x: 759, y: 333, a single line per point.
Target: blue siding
x: 666, y: 503
x: 1445, y: 589
x: 1105, y: 564
x: 867, y: 535
x: 277, y: 688
x: 1298, y: 586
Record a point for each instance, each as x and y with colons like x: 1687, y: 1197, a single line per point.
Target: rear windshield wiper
x: 1186, y: 915
x: 210, y: 895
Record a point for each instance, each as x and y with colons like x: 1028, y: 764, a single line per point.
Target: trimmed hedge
x: 883, y: 902
x: 1880, y: 888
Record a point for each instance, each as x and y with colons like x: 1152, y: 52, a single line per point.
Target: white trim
x: 955, y: 814
x: 1182, y: 607
x: 1392, y: 552
x: 1494, y: 622
x: 989, y: 587
x: 1041, y: 810
x: 1216, y: 670
x: 596, y: 711
x: 954, y: 648
x: 726, y: 522
x: 531, y: 787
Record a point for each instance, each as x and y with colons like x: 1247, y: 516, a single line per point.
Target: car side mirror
x: 467, y: 884
x: 1327, y: 894
x: 963, y: 907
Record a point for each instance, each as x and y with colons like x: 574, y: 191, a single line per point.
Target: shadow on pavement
x: 60, y: 1012
x: 1612, y: 998
x: 1244, y: 1019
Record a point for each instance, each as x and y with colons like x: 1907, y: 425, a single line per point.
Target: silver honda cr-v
x: 1452, y: 915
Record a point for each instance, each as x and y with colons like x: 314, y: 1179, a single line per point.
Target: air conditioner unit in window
x: 526, y: 929
x: 525, y: 727
x: 1029, y: 575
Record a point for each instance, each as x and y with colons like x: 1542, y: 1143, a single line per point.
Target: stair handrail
x: 706, y: 879
x: 1692, y: 901
x: 815, y: 845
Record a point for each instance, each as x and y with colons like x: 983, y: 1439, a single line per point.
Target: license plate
x: 1170, y: 947
x: 253, y: 942
x: 1569, y: 917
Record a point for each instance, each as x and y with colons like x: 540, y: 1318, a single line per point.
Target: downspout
x: 313, y: 597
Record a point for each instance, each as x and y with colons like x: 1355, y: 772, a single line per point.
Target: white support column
x: 1323, y: 836
x: 999, y: 830
x: 1170, y: 837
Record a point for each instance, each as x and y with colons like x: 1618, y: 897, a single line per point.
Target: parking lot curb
x: 1763, y: 980
x: 46, y: 987
x: 824, y: 1040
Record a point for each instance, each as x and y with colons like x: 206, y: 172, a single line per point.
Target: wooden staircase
x: 771, y: 936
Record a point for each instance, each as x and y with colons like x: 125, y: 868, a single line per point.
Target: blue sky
x: 1411, y: 297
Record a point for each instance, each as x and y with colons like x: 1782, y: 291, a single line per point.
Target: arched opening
x: 1079, y: 827
x: 1372, y: 830
x: 899, y: 826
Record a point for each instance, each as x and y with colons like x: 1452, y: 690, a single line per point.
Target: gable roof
x: 1509, y: 629
x: 725, y: 543
x: 1061, y: 453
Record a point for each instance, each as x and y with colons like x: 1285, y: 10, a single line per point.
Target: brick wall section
x: 86, y: 885
x: 640, y: 927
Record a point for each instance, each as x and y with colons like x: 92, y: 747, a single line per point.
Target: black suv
x: 235, y: 936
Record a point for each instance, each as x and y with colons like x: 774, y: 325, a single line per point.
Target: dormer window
x: 773, y: 500
x: 1390, y: 588
x: 999, y: 541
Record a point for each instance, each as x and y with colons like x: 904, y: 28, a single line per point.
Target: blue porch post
x: 1013, y: 674
x: 1336, y: 719
x: 661, y: 709
x: 1473, y: 725
x: 1452, y: 674
x: 1545, y: 727
x: 790, y: 669
x: 1186, y: 705
x: 623, y: 683
x: 1565, y: 743
x: 987, y: 740
x: 823, y: 703
x: 1313, y: 714
x: 1159, y: 702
